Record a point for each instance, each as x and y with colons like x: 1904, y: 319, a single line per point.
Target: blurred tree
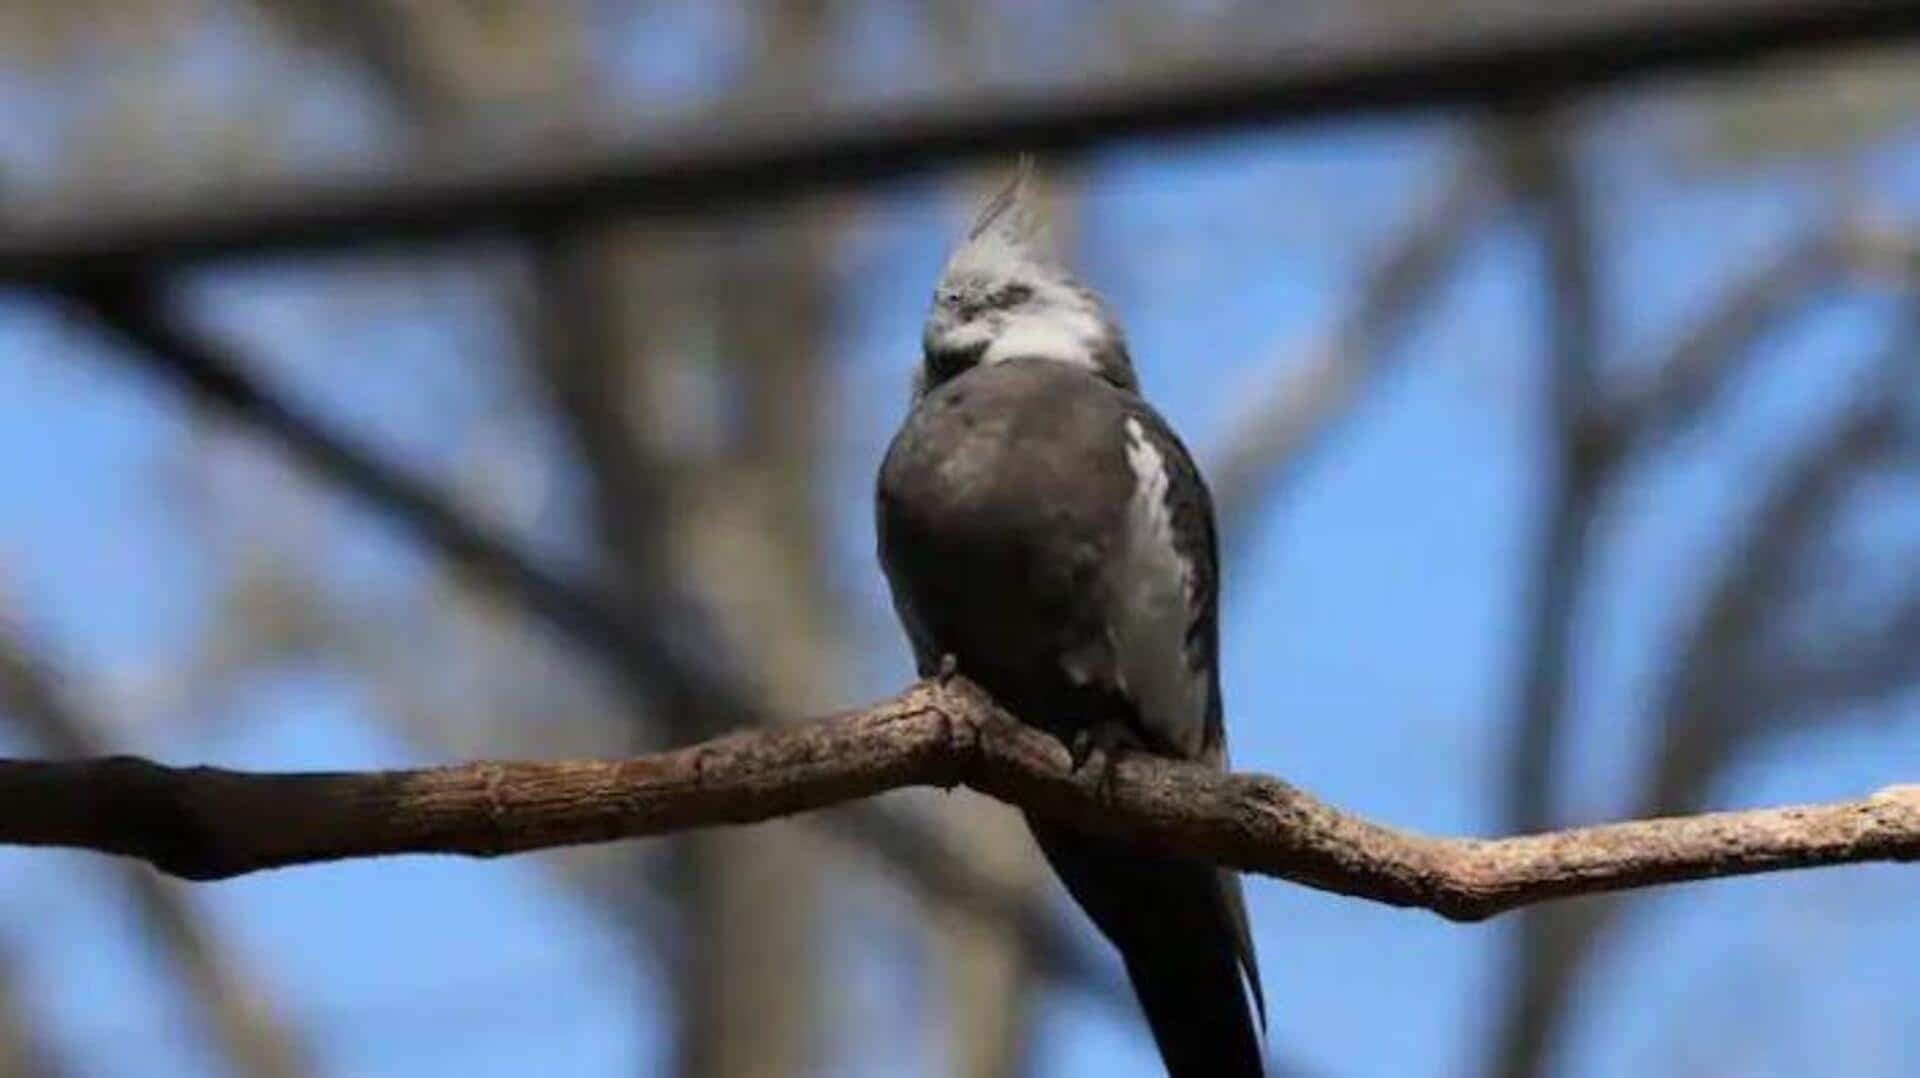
x: 23, y: 1052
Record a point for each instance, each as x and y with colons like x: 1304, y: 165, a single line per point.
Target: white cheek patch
x: 1155, y: 606
x: 1064, y: 335
x: 1038, y: 339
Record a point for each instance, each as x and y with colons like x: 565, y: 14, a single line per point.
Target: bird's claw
x: 1094, y: 741
x: 1080, y: 749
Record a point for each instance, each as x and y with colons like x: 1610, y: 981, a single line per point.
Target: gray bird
x: 1041, y: 525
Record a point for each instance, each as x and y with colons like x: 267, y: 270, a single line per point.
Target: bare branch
x: 242, y: 1020
x: 1866, y: 664
x: 1701, y: 360
x: 206, y: 823
x: 1552, y: 52
x: 1267, y: 444
x: 1541, y: 171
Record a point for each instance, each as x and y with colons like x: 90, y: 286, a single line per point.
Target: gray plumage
x: 1042, y: 525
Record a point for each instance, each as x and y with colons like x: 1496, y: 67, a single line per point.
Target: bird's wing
x: 1165, y: 618
x: 1164, y: 594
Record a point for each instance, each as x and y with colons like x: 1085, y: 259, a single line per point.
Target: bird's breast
x: 1008, y: 458
x: 1001, y: 502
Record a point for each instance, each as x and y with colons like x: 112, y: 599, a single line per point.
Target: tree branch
x: 1268, y: 443
x: 1699, y: 364
x: 1538, y: 150
x: 244, y: 1021
x: 1548, y: 53
x: 206, y: 823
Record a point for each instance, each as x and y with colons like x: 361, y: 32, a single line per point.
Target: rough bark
x: 208, y: 823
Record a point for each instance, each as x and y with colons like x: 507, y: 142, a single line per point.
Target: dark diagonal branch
x: 1699, y: 364
x: 1532, y: 53
x: 153, y: 338
x: 207, y: 823
x: 1866, y: 665
x: 1267, y: 444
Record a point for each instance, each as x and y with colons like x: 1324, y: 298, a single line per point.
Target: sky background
x: 1371, y: 629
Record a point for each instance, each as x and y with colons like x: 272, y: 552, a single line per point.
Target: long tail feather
x: 1175, y: 926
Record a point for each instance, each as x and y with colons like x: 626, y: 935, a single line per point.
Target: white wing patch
x: 1155, y: 600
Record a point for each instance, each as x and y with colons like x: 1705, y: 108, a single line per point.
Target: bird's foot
x: 1080, y: 749
x: 1099, y: 740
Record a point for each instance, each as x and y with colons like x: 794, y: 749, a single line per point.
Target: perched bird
x: 1043, y: 529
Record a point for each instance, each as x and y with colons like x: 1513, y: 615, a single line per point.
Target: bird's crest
x: 1006, y: 294
x: 1008, y: 232
x: 1008, y: 211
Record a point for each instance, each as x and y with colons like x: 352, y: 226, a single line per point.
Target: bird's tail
x: 1182, y: 932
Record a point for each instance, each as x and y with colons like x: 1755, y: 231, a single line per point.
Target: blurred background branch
x: 23, y: 1049
x: 1529, y: 54
x: 1268, y: 443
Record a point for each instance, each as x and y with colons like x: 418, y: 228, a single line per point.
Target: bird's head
x: 1003, y: 295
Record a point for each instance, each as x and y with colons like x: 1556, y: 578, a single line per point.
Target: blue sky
x: 1370, y: 640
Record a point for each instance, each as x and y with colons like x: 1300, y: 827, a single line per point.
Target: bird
x: 1046, y: 534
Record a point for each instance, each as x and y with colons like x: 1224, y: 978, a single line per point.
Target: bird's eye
x: 1011, y: 295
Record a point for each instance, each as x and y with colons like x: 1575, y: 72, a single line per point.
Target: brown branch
x: 1552, y: 52
x: 207, y: 823
x: 244, y: 1022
